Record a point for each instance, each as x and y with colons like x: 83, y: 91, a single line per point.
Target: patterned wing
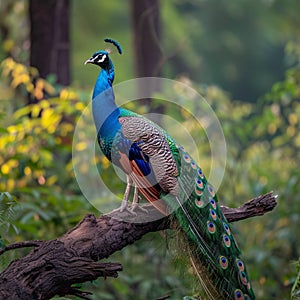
x: 150, y: 146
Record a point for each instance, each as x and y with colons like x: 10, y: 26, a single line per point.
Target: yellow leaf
x: 38, y: 93
x: 23, y: 149
x: 38, y: 173
x: 51, y: 180
x: 8, y: 45
x: 22, y: 112
x: 12, y: 129
x: 105, y: 162
x: 11, y: 138
x: 57, y: 140
x: 27, y: 171
x: 51, y: 129
x: 25, y: 78
x: 44, y: 104
x: 49, y: 88
x: 34, y: 71
x: 30, y: 87
x: 297, y: 140
x: 35, y: 111
x: 66, y: 128
x: 79, y: 106
x: 18, y: 70
x: 293, y: 119
x: 8, y: 65
x: 16, y: 81
x: 290, y: 131
x: 5, y: 168
x: 10, y: 185
x: 46, y: 119
x: 13, y: 163
x: 63, y: 94
x: 35, y: 157
x: 37, y: 130
x: 40, y: 84
x: 272, y: 128
x: 81, y: 146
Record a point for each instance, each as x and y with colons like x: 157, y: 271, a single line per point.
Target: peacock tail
x: 172, y: 181
x: 213, y: 251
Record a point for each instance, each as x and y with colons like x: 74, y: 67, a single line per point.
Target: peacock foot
x: 135, y: 207
x: 125, y: 208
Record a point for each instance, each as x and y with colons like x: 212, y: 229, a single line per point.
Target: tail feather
x: 209, y: 288
x: 214, y: 253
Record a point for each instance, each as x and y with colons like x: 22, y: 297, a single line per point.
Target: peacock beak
x: 89, y: 61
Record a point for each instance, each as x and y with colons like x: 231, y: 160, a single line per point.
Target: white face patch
x: 102, y: 59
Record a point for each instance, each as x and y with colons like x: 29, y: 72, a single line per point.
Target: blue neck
x: 104, y: 81
x: 105, y: 110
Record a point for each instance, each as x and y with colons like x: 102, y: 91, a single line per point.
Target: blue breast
x: 109, y: 132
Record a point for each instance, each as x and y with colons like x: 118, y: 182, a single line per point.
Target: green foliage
x: 88, y: 37
x: 263, y: 145
x: 263, y: 148
x: 8, y: 216
x: 8, y: 206
x: 295, y: 294
x: 220, y: 42
x: 213, y: 42
x: 36, y: 145
x: 14, y: 42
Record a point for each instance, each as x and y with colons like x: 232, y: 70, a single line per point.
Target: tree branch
x: 255, y: 207
x: 54, y: 266
x: 18, y: 245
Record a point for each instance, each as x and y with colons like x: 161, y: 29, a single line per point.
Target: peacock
x: 160, y: 170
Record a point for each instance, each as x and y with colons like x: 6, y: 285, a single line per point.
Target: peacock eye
x: 101, y: 58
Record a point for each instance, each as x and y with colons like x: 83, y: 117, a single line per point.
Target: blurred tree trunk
x: 49, y: 37
x: 146, y: 41
x: 4, y: 27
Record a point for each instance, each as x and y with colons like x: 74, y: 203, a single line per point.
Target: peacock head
x: 101, y: 58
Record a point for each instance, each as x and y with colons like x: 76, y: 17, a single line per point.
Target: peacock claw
x: 124, y: 205
x: 130, y: 211
x: 136, y: 206
x: 135, y: 202
x: 124, y: 209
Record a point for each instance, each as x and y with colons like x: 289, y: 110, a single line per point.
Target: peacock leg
x: 125, y: 201
x: 135, y: 201
x: 124, y: 204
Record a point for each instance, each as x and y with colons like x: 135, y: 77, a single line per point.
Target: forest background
x: 242, y: 56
